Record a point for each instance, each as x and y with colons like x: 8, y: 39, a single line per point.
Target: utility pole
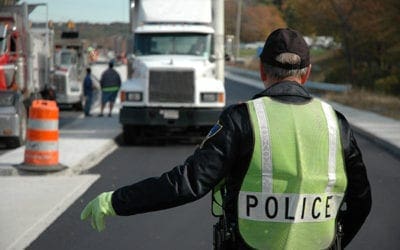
x: 218, y: 6
x: 237, y: 33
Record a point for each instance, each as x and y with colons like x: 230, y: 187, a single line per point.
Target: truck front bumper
x: 170, y: 117
x: 9, y: 122
x: 68, y: 99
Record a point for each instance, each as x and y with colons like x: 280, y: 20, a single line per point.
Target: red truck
x: 25, y: 68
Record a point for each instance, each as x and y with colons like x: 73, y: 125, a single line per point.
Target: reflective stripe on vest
x: 295, y: 183
x: 110, y: 89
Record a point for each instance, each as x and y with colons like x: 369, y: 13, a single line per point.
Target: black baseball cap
x: 285, y: 41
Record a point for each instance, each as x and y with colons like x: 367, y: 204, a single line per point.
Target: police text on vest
x: 292, y: 208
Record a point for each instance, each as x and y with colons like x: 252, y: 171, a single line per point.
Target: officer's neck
x: 271, y: 81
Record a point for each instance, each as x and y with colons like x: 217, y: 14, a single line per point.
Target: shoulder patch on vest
x: 213, y: 131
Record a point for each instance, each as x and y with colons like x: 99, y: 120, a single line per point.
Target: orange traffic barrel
x: 41, y: 149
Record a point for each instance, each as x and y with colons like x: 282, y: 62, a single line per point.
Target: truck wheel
x: 19, y: 140
x: 79, y: 105
x: 127, y: 134
x: 131, y: 135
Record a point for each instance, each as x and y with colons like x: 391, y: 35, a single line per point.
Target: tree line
x: 366, y: 30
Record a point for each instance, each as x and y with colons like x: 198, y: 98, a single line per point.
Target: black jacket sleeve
x: 358, y: 193
x: 190, y: 181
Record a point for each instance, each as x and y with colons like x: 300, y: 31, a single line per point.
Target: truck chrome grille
x: 60, y: 83
x: 171, y: 86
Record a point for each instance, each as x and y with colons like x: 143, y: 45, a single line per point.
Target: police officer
x: 288, y: 163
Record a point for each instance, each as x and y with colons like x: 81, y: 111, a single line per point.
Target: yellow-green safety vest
x: 295, y: 183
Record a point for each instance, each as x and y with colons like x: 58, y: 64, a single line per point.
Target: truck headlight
x: 212, y: 97
x: 135, y: 96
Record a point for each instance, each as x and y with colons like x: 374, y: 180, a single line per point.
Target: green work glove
x: 97, y: 209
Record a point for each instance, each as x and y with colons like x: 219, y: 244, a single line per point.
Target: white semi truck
x: 176, y: 67
x: 70, y: 60
x: 67, y: 79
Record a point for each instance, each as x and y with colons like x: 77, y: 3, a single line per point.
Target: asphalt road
x: 190, y: 226
x: 382, y: 228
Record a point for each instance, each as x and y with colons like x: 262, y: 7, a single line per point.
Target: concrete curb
x: 389, y: 147
x: 92, y: 159
x: 36, y: 201
x: 77, y: 155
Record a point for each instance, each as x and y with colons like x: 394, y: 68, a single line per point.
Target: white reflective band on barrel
x: 289, y: 208
x: 8, y: 67
x: 266, y: 160
x: 43, y: 124
x: 332, y: 131
x: 41, y: 146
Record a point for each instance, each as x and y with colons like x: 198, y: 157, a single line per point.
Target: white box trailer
x: 175, y: 74
x: 40, y: 58
x: 174, y: 11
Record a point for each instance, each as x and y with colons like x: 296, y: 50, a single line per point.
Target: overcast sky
x: 95, y: 11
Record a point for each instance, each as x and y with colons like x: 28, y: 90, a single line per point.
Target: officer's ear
x: 262, y: 72
x: 304, y: 78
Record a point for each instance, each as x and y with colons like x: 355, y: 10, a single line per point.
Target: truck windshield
x: 67, y: 58
x: 173, y: 43
x: 2, y: 45
x: 3, y: 32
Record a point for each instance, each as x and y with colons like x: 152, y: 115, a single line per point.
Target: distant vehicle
x: 175, y: 71
x: 67, y: 82
x: 25, y: 61
x: 324, y: 42
x: 229, y: 47
x: 254, y: 45
x: 71, y: 60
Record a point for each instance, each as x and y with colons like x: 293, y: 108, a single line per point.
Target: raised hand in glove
x: 97, y: 209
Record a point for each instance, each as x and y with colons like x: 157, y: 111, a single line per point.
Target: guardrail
x: 309, y: 84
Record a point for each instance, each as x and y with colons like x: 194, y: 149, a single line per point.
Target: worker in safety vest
x: 284, y: 167
x: 110, y: 83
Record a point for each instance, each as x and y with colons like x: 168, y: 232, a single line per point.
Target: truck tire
x: 18, y: 141
x: 132, y: 135
x: 79, y: 105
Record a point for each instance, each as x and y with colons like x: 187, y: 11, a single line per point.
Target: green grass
x: 385, y: 105
x: 317, y: 52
